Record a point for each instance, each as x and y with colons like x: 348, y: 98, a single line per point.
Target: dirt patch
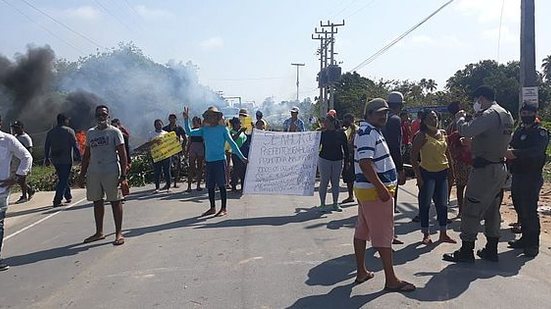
x: 509, y: 215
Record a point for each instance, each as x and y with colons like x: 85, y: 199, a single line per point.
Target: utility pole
x: 334, y: 30
x: 528, y: 75
x: 298, y: 65
x: 322, y: 51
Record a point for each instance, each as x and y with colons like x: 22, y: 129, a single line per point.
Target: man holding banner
x: 161, y: 163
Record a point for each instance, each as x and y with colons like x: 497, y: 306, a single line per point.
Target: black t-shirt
x: 334, y: 145
x: 179, y: 132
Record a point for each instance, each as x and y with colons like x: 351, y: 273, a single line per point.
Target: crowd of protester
x: 370, y: 156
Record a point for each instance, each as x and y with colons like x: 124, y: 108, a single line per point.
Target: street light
x: 298, y: 65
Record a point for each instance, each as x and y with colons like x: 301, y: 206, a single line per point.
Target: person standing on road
x: 348, y: 174
x: 27, y: 191
x: 215, y: 135
x: 104, y: 169
x: 334, y: 149
x: 527, y: 156
x: 163, y: 166
x: 392, y: 133
x: 294, y: 124
x: 196, y: 155
x: 239, y: 168
x: 10, y: 147
x: 490, y: 130
x: 181, y: 135
x: 60, y: 149
x: 432, y: 174
x: 376, y: 179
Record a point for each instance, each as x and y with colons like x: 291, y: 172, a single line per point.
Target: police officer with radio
x: 490, y: 130
x: 527, y: 156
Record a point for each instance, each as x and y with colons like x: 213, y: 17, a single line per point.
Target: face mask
x: 477, y: 106
x: 528, y: 119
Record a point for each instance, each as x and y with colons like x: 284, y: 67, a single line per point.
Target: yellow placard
x: 165, y: 146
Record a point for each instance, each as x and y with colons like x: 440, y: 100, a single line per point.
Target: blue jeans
x: 62, y: 189
x: 3, y: 209
x: 162, y: 166
x: 435, y: 187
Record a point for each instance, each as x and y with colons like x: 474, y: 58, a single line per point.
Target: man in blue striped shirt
x: 376, y: 180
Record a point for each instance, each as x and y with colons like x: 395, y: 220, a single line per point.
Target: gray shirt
x: 491, y: 131
x: 26, y: 140
x: 61, y: 145
x: 103, y: 149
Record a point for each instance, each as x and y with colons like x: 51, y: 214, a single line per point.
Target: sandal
x: 221, y: 213
x: 426, y: 241
x: 396, y: 241
x: 118, y: 242
x: 370, y: 275
x: 402, y: 287
x: 209, y: 212
x: 94, y: 238
x: 447, y: 239
x: 348, y: 200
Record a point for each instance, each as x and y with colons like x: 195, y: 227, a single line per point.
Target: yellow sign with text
x: 165, y: 146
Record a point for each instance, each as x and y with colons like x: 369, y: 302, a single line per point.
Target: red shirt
x: 406, y: 133
x: 415, y: 126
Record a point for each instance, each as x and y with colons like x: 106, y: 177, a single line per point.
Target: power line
x: 399, y: 38
x: 63, y: 25
x: 360, y: 9
x: 113, y: 15
x: 43, y: 27
x: 250, y: 78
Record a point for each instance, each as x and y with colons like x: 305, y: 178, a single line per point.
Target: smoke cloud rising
x: 34, y: 87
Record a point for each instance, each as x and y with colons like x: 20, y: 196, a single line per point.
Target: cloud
x: 212, y: 43
x: 152, y: 13
x: 445, y: 41
x: 489, y: 11
x: 83, y: 12
x: 507, y: 35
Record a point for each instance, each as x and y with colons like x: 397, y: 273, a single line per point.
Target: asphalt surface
x: 269, y: 252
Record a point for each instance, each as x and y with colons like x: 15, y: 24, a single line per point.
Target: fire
x: 81, y: 141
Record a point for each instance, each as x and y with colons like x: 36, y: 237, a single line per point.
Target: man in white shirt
x: 27, y: 191
x: 10, y: 147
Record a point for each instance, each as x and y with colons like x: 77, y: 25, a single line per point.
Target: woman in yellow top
x: 432, y: 174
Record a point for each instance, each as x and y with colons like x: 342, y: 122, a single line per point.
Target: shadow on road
x: 447, y: 284
x: 53, y: 253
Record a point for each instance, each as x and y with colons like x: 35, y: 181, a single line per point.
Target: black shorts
x: 349, y: 174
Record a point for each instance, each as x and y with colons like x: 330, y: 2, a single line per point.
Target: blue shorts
x: 215, y: 174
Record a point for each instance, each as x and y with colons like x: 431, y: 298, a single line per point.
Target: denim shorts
x: 215, y: 174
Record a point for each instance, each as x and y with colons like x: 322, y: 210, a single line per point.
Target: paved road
x: 270, y: 252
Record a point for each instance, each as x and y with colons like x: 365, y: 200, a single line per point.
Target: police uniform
x: 491, y: 132
x: 528, y: 146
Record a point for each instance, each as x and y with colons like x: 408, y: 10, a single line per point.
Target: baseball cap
x: 295, y: 109
x: 17, y: 124
x: 332, y: 113
x: 376, y: 105
x: 395, y: 97
x: 259, y: 113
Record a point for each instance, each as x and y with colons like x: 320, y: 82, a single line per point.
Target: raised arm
x: 233, y: 145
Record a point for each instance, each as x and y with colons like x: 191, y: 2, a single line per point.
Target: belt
x: 479, y: 162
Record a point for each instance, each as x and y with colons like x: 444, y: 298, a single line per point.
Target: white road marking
x: 42, y: 220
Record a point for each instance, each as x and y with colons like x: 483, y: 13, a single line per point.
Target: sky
x: 245, y: 48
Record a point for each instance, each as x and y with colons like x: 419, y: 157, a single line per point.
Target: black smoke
x: 80, y: 107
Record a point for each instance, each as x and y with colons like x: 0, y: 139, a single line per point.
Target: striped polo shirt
x: 370, y: 144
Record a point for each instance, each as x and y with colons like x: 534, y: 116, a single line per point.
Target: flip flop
x: 403, y: 287
x: 221, y: 213
x: 208, y: 212
x: 93, y: 238
x: 396, y: 241
x: 370, y: 275
x: 118, y: 242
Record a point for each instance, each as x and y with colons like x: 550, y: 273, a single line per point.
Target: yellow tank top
x: 433, y: 154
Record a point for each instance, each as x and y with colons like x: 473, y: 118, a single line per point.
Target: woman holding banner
x: 163, y: 165
x: 334, y: 148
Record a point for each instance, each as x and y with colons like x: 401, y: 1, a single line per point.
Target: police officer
x: 527, y: 155
x: 490, y: 130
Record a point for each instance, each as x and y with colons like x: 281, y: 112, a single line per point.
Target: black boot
x: 531, y: 251
x: 489, y: 252
x: 518, y: 244
x: 465, y: 254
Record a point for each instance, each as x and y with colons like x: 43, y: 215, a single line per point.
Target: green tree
x: 546, y: 68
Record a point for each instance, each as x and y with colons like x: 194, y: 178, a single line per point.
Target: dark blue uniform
x: 529, y: 144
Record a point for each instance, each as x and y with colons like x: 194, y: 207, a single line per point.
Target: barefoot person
x: 215, y: 135
x: 101, y: 167
x: 196, y: 154
x: 10, y: 147
x: 432, y: 174
x: 376, y: 179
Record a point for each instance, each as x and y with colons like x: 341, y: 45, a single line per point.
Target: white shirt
x: 10, y: 147
x: 25, y: 139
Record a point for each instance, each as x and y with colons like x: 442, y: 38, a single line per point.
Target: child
x: 214, y: 136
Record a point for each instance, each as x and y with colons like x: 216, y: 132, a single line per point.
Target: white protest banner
x: 282, y: 163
